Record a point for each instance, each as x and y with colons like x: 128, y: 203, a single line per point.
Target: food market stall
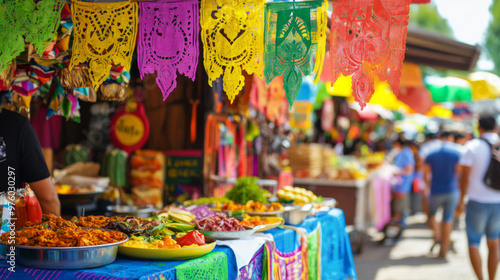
x: 64, y: 55
x: 244, y: 257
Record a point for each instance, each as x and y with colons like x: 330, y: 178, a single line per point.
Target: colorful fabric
x: 245, y: 248
x: 293, y: 41
x: 232, y: 34
x: 368, y: 40
x: 105, y: 33
x: 284, y: 266
x: 253, y: 271
x: 48, y: 132
x: 337, y: 261
x: 63, y: 103
x: 168, y: 41
x: 314, y: 254
x: 210, y: 267
x: 24, y: 84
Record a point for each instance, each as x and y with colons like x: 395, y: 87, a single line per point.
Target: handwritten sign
x: 183, y: 174
x: 183, y: 167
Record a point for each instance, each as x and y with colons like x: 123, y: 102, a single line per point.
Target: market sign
x: 129, y: 127
x: 183, y: 173
x: 183, y: 167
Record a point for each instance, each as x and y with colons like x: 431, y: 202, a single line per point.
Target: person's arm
x: 407, y: 170
x: 463, y: 184
x: 35, y: 172
x: 464, y: 168
x: 427, y: 175
x: 47, y: 196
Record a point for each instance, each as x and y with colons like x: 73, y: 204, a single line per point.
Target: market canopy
x: 412, y: 90
x: 449, y: 89
x: 435, y: 50
x: 484, y: 85
x: 438, y: 111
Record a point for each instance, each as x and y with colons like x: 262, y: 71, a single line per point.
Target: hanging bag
x: 492, y: 175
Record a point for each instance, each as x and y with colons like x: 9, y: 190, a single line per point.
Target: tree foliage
x: 426, y: 16
x: 492, y: 43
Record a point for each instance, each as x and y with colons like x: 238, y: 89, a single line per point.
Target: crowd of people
x: 448, y: 172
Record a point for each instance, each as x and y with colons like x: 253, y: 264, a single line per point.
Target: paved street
x: 410, y: 259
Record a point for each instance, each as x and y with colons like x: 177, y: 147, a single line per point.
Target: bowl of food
x: 56, y: 243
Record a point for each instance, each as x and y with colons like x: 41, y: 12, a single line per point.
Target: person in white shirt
x: 482, y: 214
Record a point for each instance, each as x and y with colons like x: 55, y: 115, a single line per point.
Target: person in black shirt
x: 22, y: 160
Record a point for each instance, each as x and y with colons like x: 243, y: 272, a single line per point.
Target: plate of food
x: 56, y: 243
x: 222, y: 227
x: 191, y: 245
x: 259, y: 209
x: 263, y: 224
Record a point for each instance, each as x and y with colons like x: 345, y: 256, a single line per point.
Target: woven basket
x: 306, y: 159
x: 78, y: 78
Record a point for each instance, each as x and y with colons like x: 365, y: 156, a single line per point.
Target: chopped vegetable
x: 200, y: 212
x: 194, y: 237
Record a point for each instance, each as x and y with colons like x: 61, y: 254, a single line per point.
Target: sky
x: 469, y: 20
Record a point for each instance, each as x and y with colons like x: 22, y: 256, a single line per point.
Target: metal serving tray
x: 67, y: 257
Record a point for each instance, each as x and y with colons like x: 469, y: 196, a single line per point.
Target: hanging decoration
x: 43, y: 23
x: 293, y: 40
x: 63, y: 103
x: 368, y: 40
x: 13, y: 17
x: 37, y: 22
x: 232, y: 36
x: 115, y: 86
x: 105, y: 33
x: 168, y: 41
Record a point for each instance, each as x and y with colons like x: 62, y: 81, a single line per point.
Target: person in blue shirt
x: 405, y: 162
x: 441, y: 169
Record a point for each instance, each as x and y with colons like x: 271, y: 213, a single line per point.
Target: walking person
x: 405, y: 162
x: 482, y: 214
x: 440, y: 173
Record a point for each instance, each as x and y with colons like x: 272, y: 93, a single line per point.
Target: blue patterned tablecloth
x: 337, y: 261
x: 125, y: 268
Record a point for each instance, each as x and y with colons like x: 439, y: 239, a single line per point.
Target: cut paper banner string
x: 37, y: 22
x: 368, y: 40
x: 232, y: 41
x: 42, y: 25
x: 13, y: 19
x: 168, y: 41
x: 105, y: 33
x: 293, y: 41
